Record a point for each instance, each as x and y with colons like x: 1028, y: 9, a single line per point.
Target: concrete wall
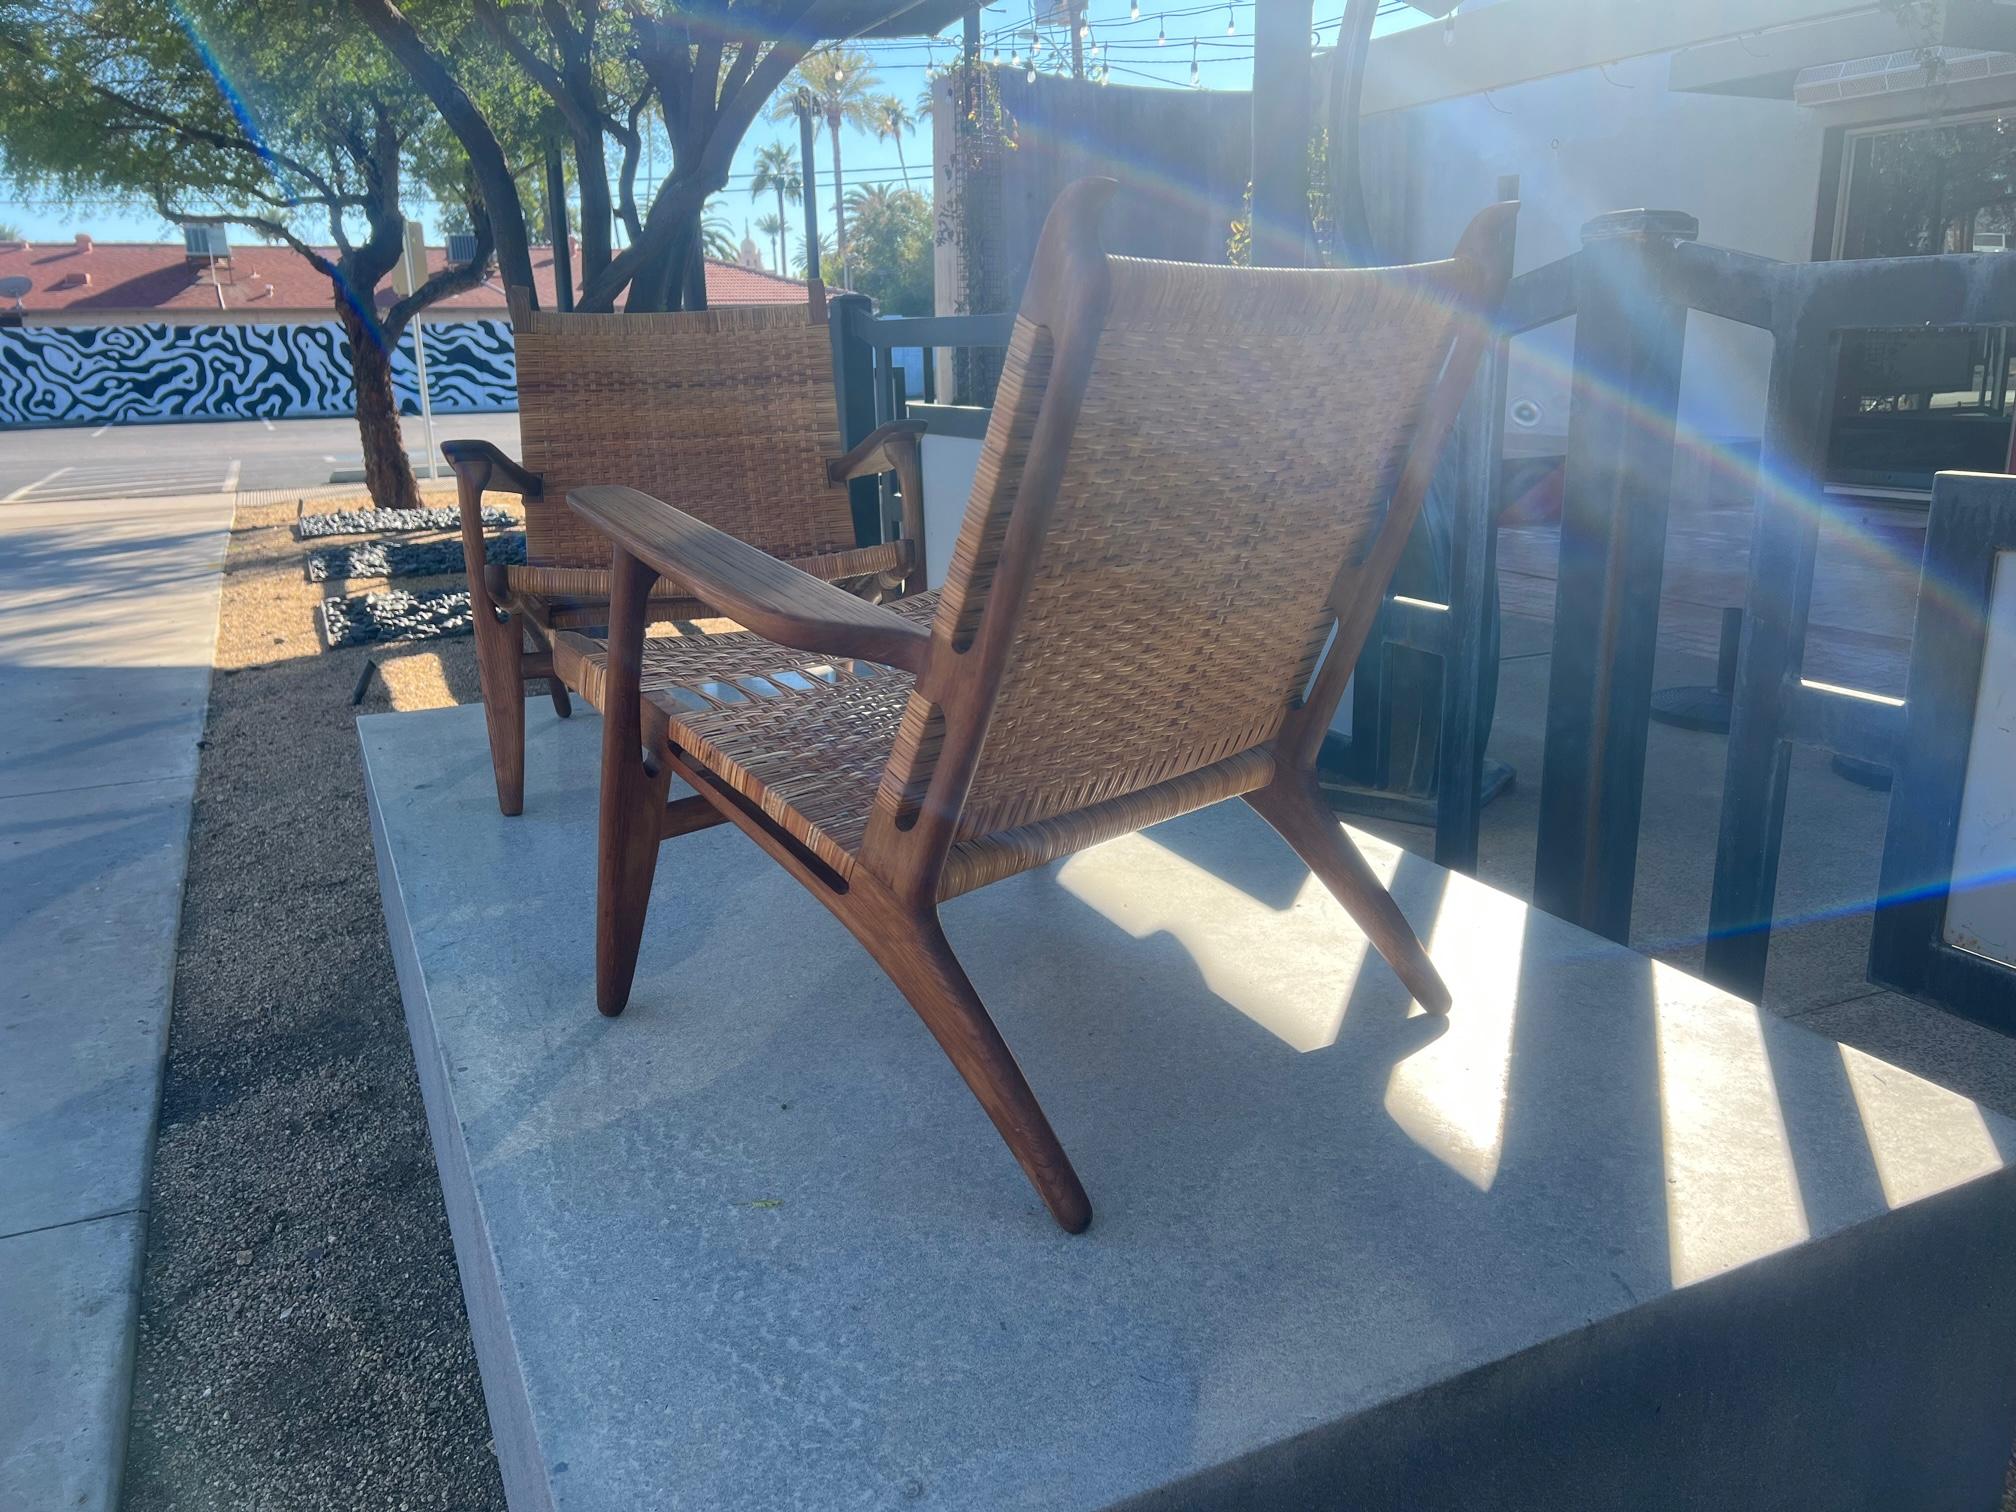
x: 1609, y: 139
x: 88, y: 374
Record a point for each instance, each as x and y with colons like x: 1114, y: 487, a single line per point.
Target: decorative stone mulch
x: 397, y: 559
x: 395, y: 614
x: 337, y: 522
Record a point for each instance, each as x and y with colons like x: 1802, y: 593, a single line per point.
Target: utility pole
x: 806, y: 139
x: 1076, y: 11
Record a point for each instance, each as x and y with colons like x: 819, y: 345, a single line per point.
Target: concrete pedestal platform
x: 1605, y: 1238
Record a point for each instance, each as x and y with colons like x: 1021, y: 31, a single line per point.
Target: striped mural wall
x: 88, y: 375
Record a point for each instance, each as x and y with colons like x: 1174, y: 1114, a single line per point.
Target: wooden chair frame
x: 506, y: 619
x: 890, y: 901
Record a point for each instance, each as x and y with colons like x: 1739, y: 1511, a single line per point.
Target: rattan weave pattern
x: 1238, y: 441
x: 697, y: 672
x: 729, y: 414
x: 813, y: 763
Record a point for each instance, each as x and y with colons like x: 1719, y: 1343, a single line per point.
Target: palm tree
x: 716, y: 235
x: 825, y: 256
x: 772, y: 226
x: 931, y: 78
x: 777, y: 171
x: 868, y: 199
x: 892, y: 119
x: 839, y: 83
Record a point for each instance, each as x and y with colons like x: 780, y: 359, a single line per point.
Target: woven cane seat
x: 812, y: 763
x: 715, y: 671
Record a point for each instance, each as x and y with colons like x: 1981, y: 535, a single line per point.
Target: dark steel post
x: 1629, y: 338
x: 1473, y: 604
x: 805, y: 143
x: 556, y: 226
x: 1282, y: 121
x: 1784, y: 543
x: 848, y: 320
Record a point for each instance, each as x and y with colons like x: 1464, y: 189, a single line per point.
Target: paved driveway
x: 220, y: 456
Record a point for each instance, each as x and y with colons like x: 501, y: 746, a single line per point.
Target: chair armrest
x: 490, y: 468
x: 887, y: 448
x: 894, y: 447
x: 772, y: 598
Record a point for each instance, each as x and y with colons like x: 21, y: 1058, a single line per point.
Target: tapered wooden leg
x: 913, y: 949
x: 633, y: 795
x: 563, y: 704
x: 1294, y: 806
x: 633, y: 818
x: 499, y: 656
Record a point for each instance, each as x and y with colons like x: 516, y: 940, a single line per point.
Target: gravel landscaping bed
x: 336, y: 522
x: 402, y: 559
x: 302, y: 1338
x: 394, y: 614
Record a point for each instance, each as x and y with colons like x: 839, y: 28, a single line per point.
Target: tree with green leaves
x: 838, y: 85
x: 893, y: 247
x: 717, y: 236
x: 777, y: 173
x: 891, y: 121
x: 710, y: 70
x: 257, y: 113
x: 772, y: 227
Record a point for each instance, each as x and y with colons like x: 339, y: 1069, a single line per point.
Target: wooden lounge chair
x: 1191, y: 477
x: 731, y: 412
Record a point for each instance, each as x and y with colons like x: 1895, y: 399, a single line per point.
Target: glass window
x: 1912, y: 403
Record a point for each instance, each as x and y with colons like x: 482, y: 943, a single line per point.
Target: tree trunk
x: 387, y: 473
x: 839, y: 199
x: 598, y: 213
x: 782, y: 271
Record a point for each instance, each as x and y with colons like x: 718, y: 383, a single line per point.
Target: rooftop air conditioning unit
x: 461, y: 246
x: 204, y: 243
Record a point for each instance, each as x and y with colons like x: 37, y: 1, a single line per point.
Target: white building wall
x: 1611, y: 139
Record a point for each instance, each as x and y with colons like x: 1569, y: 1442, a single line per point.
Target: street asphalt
x: 223, y: 456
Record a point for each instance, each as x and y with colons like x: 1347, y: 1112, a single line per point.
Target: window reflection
x: 1909, y: 403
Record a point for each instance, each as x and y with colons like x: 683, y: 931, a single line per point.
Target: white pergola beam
x: 1518, y: 40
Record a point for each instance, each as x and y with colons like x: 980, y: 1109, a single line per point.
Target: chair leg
x: 632, y: 822
x: 1295, y: 807
x: 913, y: 949
x: 499, y: 656
x: 563, y: 704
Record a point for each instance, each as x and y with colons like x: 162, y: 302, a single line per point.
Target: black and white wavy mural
x: 87, y: 375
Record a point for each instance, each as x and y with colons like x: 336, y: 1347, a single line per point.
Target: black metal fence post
x: 1629, y: 338
x: 854, y: 387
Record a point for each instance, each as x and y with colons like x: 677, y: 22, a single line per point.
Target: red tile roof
x: 108, y: 278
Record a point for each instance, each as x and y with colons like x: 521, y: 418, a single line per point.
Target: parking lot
x: 225, y: 456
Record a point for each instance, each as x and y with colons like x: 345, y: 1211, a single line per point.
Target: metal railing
x: 871, y: 384
x: 1630, y: 288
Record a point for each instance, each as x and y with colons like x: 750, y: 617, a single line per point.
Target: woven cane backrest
x: 1237, y: 443
x: 728, y: 414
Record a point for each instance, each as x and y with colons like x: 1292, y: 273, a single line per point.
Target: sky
x: 1218, y: 36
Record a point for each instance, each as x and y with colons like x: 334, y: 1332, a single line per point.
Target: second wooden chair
x: 730, y: 412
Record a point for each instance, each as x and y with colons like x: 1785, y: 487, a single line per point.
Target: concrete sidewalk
x: 108, y: 621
